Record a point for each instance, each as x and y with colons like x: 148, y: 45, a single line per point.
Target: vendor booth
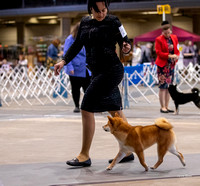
x: 179, y: 32
x: 182, y: 35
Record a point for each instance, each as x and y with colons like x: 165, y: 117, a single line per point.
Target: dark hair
x: 164, y: 23
x: 92, y: 4
x: 56, y: 42
x: 138, y: 45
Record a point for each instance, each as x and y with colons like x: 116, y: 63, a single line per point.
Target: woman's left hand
x: 58, y: 67
x: 126, y: 47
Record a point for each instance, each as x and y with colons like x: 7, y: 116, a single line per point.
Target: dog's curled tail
x: 195, y: 90
x: 163, y: 124
x: 197, y: 99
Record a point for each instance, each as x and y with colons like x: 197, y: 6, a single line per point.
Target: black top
x: 99, y: 39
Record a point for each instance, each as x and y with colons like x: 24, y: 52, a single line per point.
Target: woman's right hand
x: 58, y: 67
x: 173, y: 56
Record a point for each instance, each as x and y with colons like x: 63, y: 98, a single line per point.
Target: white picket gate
x: 36, y: 85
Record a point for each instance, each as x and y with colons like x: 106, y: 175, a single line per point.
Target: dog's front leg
x: 116, y: 160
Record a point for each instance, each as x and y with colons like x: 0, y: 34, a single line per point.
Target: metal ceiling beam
x: 123, y: 6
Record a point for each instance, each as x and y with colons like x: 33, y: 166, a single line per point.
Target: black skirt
x: 103, y: 92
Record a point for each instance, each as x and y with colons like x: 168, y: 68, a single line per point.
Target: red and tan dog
x: 138, y: 138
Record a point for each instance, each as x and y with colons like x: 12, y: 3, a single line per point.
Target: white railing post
x: 126, y: 102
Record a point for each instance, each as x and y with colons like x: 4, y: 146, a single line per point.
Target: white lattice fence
x: 146, y: 89
x: 189, y: 76
x: 34, y: 85
x: 39, y: 86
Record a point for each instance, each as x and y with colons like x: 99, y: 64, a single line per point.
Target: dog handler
x: 99, y: 33
x: 167, y: 51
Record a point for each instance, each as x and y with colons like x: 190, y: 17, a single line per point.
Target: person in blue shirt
x: 53, y: 53
x: 78, y: 73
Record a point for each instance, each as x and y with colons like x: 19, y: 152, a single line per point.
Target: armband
x: 122, y: 31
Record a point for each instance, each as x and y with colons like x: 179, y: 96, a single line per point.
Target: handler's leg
x: 162, y: 99
x: 167, y: 98
x: 88, y: 123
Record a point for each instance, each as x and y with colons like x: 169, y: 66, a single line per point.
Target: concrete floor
x: 36, y: 141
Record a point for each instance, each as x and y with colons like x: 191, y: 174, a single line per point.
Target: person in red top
x: 167, y: 51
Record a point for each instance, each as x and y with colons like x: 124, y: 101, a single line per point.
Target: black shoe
x: 75, y: 162
x: 164, y: 111
x: 170, y: 110
x: 125, y: 159
x: 76, y: 110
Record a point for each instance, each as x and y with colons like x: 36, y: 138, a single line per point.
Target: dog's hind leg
x: 162, y: 150
x: 174, y: 151
x: 116, y: 160
x: 177, y: 109
x: 141, y: 159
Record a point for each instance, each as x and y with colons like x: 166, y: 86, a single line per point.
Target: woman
x: 99, y: 34
x: 136, y: 55
x: 166, y: 47
x: 23, y: 64
x: 146, y: 56
x: 79, y: 75
x: 188, y: 53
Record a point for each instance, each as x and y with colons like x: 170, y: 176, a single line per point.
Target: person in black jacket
x: 99, y: 34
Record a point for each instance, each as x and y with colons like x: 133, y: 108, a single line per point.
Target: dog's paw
x: 152, y: 168
x: 184, y: 164
x: 109, y: 168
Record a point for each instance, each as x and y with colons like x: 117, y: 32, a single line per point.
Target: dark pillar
x: 20, y: 33
x: 196, y: 26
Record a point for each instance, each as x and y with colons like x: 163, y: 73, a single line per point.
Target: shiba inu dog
x: 138, y: 138
x: 182, y: 98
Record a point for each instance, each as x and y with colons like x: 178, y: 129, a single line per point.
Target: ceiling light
x: 9, y: 22
x: 149, y: 13
x: 52, y: 21
x: 33, y: 20
x: 48, y: 17
x: 177, y: 14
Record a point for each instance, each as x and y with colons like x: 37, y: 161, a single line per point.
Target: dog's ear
x: 110, y: 119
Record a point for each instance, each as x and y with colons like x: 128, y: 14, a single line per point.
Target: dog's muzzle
x: 106, y: 128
